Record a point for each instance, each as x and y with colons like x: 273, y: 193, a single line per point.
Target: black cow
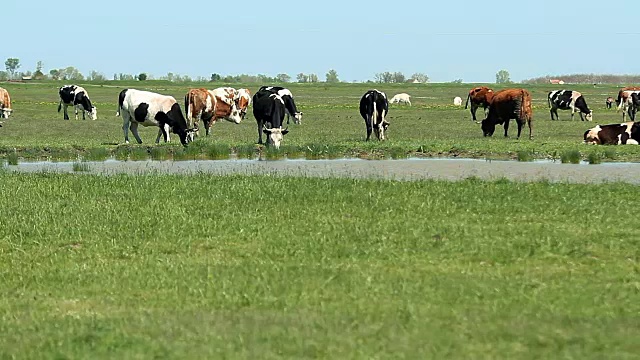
x: 72, y: 95
x: 287, y: 97
x: 374, y: 106
x: 633, y: 107
x: 614, y: 134
x: 269, y: 110
x: 568, y: 100
x: 150, y: 109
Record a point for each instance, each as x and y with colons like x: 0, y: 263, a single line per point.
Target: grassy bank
x: 264, y: 267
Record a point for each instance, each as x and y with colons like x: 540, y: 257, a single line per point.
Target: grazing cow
x: 210, y: 106
x: 634, y: 101
x: 613, y: 134
x: 150, y: 109
x: 287, y: 97
x: 509, y: 104
x: 373, y: 108
x: 609, y: 102
x: 269, y: 110
x: 5, y: 104
x: 568, y: 100
x: 401, y: 98
x: 457, y: 101
x: 76, y: 96
x: 625, y: 102
x: 479, y: 96
x: 243, y: 100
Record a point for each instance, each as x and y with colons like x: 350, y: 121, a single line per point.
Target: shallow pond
x: 407, y: 169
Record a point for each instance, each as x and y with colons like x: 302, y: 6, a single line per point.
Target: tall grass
x: 570, y: 156
x: 345, y: 269
x: 12, y: 158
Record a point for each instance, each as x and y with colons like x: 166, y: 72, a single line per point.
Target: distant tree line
x: 398, y: 77
x: 587, y: 79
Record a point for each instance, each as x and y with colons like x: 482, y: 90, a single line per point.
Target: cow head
x: 589, y: 116
x: 93, y: 113
x: 297, y: 117
x: 275, y: 135
x: 187, y: 135
x: 591, y: 136
x: 5, y: 113
x: 382, y: 129
x: 488, y: 127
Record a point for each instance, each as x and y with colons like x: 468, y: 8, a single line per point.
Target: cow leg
x: 207, y: 126
x: 474, y: 107
x: 506, y: 128
x: 369, y: 127
x: 66, y: 114
x: 125, y: 126
x: 409, y: 102
x: 260, y: 125
x: 75, y: 110
x: 520, y: 123
x: 134, y: 130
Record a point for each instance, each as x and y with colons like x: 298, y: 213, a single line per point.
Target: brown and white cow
x: 479, y: 96
x: 609, y: 102
x: 210, y: 106
x: 506, y: 105
x: 243, y: 100
x: 5, y: 104
x: 613, y: 134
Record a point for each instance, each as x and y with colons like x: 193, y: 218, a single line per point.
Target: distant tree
x: 313, y: 78
x: 302, y: 78
x: 423, y: 78
x: 55, y: 74
x: 38, y: 73
x: 398, y: 77
x: 70, y: 73
x: 385, y: 77
x: 4, y: 75
x: 285, y: 78
x: 457, y: 81
x: 502, y: 77
x: 142, y: 77
x: 12, y: 64
x: 332, y: 76
x: 215, y: 77
x: 96, y: 76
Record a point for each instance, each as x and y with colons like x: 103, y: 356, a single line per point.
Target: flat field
x: 271, y: 267
x: 433, y: 126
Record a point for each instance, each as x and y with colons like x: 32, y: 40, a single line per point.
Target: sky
x: 447, y: 40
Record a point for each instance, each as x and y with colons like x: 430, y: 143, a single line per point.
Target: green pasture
x: 433, y: 126
x: 260, y: 267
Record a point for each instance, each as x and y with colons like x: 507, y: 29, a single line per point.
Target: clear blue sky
x: 447, y: 40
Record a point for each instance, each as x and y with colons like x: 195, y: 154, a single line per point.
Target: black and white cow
x: 373, y: 108
x: 568, y: 100
x: 76, y: 96
x: 150, y: 109
x: 269, y: 112
x: 614, y: 134
x: 634, y: 105
x: 287, y: 97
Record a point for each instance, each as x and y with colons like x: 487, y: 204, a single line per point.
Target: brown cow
x: 479, y: 96
x: 5, y: 104
x: 210, y: 106
x: 506, y: 105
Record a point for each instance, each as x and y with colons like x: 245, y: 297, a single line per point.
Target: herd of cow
x: 272, y: 103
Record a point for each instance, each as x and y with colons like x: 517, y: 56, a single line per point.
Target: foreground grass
x: 264, y: 267
x: 431, y: 127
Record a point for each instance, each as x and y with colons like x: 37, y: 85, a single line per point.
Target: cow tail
x: 549, y: 100
x: 186, y: 104
x: 375, y: 113
x: 524, y: 114
x: 468, y: 97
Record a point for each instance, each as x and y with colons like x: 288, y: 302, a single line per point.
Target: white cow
x: 400, y: 98
x: 457, y: 101
x: 151, y: 109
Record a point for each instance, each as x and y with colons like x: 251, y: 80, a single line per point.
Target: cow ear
x: 266, y: 131
x: 285, y: 132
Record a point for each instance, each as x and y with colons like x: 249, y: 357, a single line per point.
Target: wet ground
x: 410, y: 169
